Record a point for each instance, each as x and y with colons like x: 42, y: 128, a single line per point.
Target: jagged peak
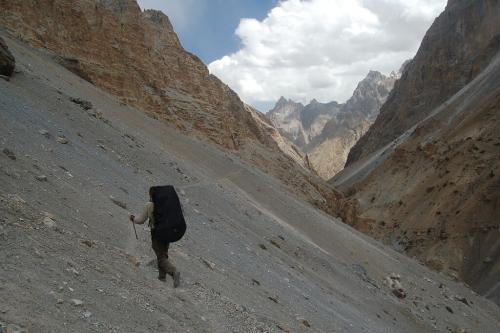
x: 282, y: 100
x: 374, y: 75
x: 158, y: 17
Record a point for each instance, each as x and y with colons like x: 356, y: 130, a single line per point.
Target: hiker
x: 167, y: 225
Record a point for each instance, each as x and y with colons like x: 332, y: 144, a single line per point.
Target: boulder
x: 7, y: 61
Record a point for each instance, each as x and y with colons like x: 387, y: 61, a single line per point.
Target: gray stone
x: 7, y: 60
x: 45, y: 133
x: 62, y: 140
x: 41, y: 178
x: 9, y: 153
x: 118, y: 202
x: 76, y: 302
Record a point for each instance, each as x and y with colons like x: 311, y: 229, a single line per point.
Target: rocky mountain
x: 136, y: 56
x: 425, y: 178
x: 467, y: 33
x: 328, y: 151
x: 301, y: 124
x: 327, y: 131
x: 75, y: 161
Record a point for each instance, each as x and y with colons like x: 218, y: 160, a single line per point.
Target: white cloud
x: 322, y: 48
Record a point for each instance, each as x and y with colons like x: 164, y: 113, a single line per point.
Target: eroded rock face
x: 286, y: 117
x: 7, y: 61
x: 460, y: 42
x: 135, y: 55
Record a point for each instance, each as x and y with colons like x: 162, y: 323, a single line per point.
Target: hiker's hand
x: 131, y: 218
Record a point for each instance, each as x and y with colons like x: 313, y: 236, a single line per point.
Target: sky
x: 299, y: 49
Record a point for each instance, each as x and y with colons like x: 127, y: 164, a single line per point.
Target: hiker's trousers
x: 164, y: 265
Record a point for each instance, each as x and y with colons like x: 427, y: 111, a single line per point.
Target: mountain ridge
x: 326, y: 131
x: 432, y: 192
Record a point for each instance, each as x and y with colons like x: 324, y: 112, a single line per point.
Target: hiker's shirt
x: 147, y: 213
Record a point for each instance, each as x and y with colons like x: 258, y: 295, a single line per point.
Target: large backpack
x: 169, y: 223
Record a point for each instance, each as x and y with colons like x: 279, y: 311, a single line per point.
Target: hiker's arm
x: 143, y: 216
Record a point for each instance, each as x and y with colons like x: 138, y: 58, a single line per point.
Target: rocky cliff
x: 459, y: 44
x: 136, y: 56
x: 327, y: 131
x: 433, y: 192
x: 7, y: 61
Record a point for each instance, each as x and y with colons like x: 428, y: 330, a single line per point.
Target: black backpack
x: 169, y: 223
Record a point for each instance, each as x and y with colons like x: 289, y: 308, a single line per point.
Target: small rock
x: 76, y: 302
x: 209, y: 264
x: 41, y: 178
x: 450, y: 310
x: 45, y: 133
x: 262, y: 246
x: 274, y: 299
x: 49, y: 222
x: 393, y: 281
x: 462, y: 299
x: 304, y: 322
x: 87, y: 242
x: 7, y: 60
x: 9, y: 153
x: 73, y: 270
x: 87, y: 314
x: 118, y: 202
x: 283, y: 328
x: 487, y: 260
x: 60, y: 301
x: 86, y: 105
x: 62, y: 140
x: 256, y: 282
x: 272, y: 241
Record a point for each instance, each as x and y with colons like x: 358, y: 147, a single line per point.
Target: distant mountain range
x: 325, y: 132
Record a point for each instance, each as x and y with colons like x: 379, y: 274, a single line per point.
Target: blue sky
x: 206, y: 27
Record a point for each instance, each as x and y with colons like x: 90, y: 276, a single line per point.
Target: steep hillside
x: 433, y: 192
x: 136, y: 55
x: 326, y: 131
x: 458, y: 45
x: 256, y: 258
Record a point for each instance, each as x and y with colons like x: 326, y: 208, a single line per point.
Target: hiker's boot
x: 177, y: 279
x: 162, y: 278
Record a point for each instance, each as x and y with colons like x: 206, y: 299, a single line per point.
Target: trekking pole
x: 135, y: 231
